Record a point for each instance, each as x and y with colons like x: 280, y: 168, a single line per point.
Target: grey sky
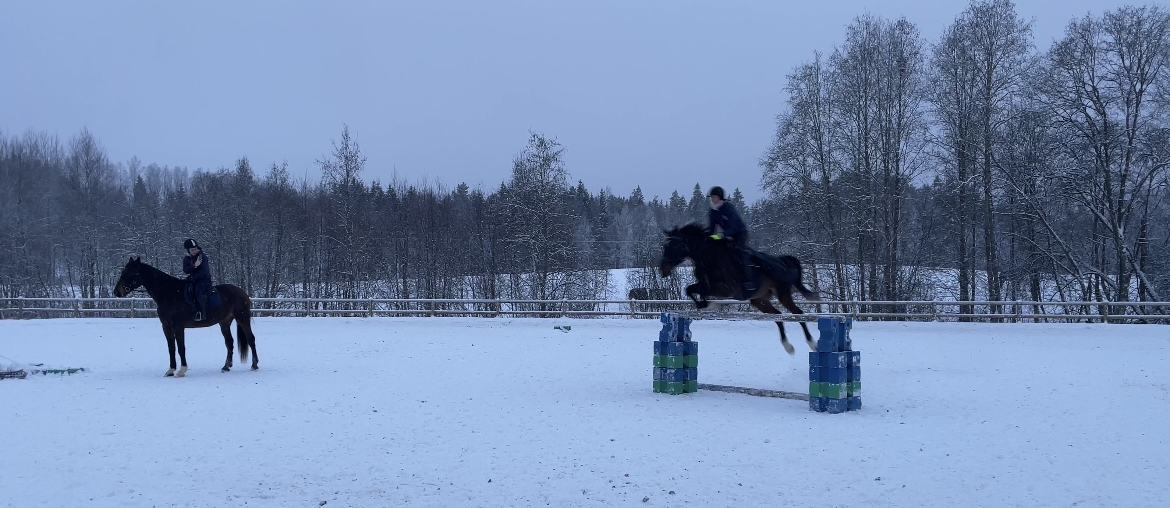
x: 660, y: 94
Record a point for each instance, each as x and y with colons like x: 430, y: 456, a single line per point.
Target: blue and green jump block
x: 834, y: 369
x: 676, y: 356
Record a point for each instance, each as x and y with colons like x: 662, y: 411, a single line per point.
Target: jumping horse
x: 718, y: 275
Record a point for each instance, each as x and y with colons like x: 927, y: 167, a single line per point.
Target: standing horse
x: 719, y: 276
x: 177, y: 314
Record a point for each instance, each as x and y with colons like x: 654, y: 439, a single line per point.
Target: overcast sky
x: 661, y: 94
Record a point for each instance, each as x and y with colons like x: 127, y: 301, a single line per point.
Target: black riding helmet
x: 191, y: 243
x: 717, y: 191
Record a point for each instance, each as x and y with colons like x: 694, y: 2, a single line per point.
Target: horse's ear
x: 138, y: 259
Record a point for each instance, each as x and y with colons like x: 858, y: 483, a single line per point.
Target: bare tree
x: 1101, y: 77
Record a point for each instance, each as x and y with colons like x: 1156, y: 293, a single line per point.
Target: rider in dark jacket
x: 725, y: 217
x: 198, y: 272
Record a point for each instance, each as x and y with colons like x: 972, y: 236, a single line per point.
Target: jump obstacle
x: 834, y: 369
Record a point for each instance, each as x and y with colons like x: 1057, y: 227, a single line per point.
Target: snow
x: 512, y: 412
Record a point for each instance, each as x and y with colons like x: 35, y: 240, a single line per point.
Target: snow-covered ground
x: 512, y: 412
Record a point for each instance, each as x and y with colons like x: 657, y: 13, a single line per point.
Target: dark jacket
x: 728, y: 220
x: 200, y: 275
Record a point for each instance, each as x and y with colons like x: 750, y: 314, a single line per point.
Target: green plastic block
x: 676, y: 387
x: 675, y: 362
x: 814, y: 389
x: 834, y: 390
x: 660, y: 360
x: 854, y: 389
x: 659, y: 386
x: 691, y: 361
x: 692, y: 386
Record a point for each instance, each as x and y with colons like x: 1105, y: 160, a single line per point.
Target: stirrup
x: 198, y: 316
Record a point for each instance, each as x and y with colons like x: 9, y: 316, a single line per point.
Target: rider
x: 724, y: 216
x: 198, y: 272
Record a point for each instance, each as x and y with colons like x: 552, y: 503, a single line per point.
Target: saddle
x: 213, y: 299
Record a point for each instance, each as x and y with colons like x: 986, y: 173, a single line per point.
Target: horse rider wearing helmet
x: 724, y: 217
x: 198, y: 272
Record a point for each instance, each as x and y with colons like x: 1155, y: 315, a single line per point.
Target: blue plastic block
x: 814, y: 374
x: 685, y: 336
x: 814, y: 359
x: 668, y: 317
x: 853, y: 403
x: 659, y: 373
x: 692, y: 373
x: 666, y: 336
x: 833, y: 360
x: 816, y: 404
x: 855, y: 358
x: 834, y: 375
x: 836, y: 405
x: 828, y: 325
x: 692, y: 348
x: 672, y: 375
x: 855, y: 373
x: 660, y: 347
x: 827, y: 344
x: 676, y: 349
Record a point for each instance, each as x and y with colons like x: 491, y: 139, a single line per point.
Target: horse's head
x: 677, y: 247
x: 130, y: 279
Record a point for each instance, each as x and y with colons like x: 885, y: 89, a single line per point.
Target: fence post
x: 131, y: 307
x: 370, y: 308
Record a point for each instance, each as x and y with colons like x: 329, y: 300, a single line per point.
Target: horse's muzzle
x: 119, y: 291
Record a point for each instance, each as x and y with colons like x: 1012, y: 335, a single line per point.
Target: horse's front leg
x: 170, y: 349
x: 695, y: 292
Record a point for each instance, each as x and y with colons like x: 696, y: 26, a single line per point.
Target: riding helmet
x: 717, y: 191
x: 191, y: 243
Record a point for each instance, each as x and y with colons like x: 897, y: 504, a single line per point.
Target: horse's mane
x: 160, y: 276
x: 689, y: 230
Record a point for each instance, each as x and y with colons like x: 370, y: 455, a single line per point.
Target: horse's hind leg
x: 785, y: 298
x: 226, y: 329
x: 766, y: 307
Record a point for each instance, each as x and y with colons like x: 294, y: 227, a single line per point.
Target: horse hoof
x: 788, y: 347
x: 225, y: 369
x: 182, y: 372
x: 170, y: 373
x: 255, y: 367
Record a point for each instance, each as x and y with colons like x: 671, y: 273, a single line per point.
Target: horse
x: 177, y: 314
x: 718, y: 275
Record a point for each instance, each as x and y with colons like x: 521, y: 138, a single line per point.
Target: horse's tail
x: 244, y: 335
x: 807, y: 293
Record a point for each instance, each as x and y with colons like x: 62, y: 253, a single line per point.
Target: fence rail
x: 1005, y: 311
